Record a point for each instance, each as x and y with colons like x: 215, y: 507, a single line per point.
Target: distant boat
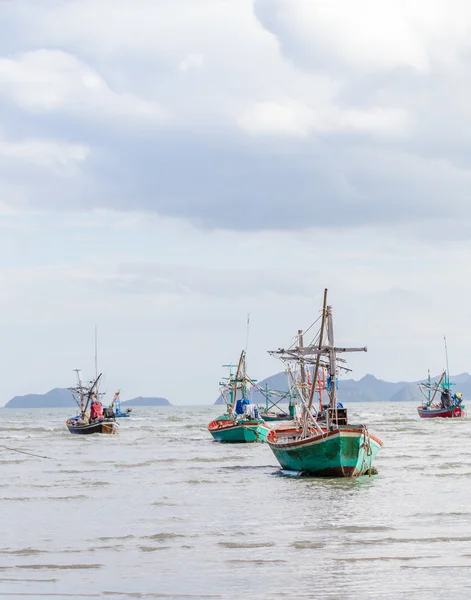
x: 241, y: 423
x: 321, y: 443
x: 272, y: 411
x: 444, y: 405
x: 83, y: 395
x: 116, y: 407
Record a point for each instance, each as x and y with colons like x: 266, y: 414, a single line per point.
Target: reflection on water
x: 161, y: 511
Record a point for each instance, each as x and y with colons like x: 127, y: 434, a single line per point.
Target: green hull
x: 346, y: 452
x: 240, y: 432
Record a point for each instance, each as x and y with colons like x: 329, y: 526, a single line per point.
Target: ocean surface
x: 162, y: 511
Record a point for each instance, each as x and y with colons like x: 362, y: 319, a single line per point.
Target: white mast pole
x: 446, y: 356
x: 96, y: 352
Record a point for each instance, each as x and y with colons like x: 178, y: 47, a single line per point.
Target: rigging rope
x: 24, y: 452
x: 304, y: 332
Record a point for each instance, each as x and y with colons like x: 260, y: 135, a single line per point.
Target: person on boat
x: 96, y: 409
x: 240, y: 406
x: 458, y: 398
x: 445, y: 399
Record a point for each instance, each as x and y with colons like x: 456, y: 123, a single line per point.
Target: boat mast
x: 447, y: 378
x: 301, y: 360
x: 332, y: 359
x: 236, y: 381
x: 96, y: 353
x: 318, y: 358
x: 80, y: 388
x: 429, y: 388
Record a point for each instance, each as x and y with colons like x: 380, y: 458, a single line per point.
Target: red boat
x: 447, y: 406
x: 431, y: 412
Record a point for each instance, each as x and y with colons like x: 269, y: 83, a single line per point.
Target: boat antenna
x: 446, y: 356
x: 247, y: 333
x: 96, y: 353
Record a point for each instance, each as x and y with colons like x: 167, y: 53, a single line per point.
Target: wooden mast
x: 236, y: 379
x: 303, y: 369
x: 332, y: 359
x: 318, y: 358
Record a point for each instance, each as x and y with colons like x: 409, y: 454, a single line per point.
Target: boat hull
x: 345, y: 452
x: 270, y: 418
x: 106, y: 427
x: 454, y: 412
x: 238, y: 432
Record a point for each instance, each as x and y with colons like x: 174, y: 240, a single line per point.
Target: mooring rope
x: 24, y: 452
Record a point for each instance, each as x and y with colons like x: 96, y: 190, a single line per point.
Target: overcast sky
x: 168, y: 166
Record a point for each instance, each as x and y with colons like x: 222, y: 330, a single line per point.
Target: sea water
x: 162, y: 511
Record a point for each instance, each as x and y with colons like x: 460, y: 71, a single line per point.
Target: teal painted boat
x: 272, y: 412
x: 348, y: 451
x: 239, y: 431
x: 321, y: 443
x: 241, y: 424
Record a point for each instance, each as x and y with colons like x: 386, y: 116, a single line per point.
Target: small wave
x: 202, y: 459
x: 146, y: 463
x: 246, y: 545
x: 59, y: 567
x: 153, y: 548
x: 363, y: 528
x: 40, y: 499
x: 391, y: 540
x: 259, y: 562
x: 162, y: 537
x: 95, y: 483
x: 451, y: 474
x: 120, y: 537
x: 198, y: 481
x: 23, y: 552
x: 442, y: 514
x: 307, y: 545
x: 171, y: 596
x: 353, y: 559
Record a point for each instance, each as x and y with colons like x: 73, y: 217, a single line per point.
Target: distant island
x: 62, y: 398
x: 140, y: 401
x: 56, y: 398
x: 367, y: 389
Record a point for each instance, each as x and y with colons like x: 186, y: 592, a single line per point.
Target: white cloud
x: 53, y: 80
x: 338, y: 131
x: 298, y: 120
x: 191, y: 62
x: 272, y: 118
x: 50, y: 154
x: 369, y: 35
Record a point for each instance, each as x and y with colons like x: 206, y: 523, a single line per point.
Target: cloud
x: 367, y: 35
x: 259, y: 115
x: 45, y: 81
x: 298, y: 120
x: 191, y: 62
x: 50, y: 154
x: 179, y: 280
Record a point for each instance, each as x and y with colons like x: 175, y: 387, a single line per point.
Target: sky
x: 169, y: 166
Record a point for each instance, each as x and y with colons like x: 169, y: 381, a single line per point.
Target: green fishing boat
x: 241, y: 423
x: 272, y: 411
x: 321, y: 442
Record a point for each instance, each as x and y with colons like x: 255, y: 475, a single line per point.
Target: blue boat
x: 116, y: 407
